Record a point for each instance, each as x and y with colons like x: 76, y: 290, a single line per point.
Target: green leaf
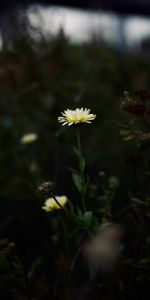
x: 81, y: 158
x: 88, y: 215
x: 77, y: 152
x: 77, y: 181
x: 79, y: 212
x: 73, y: 171
x: 82, y: 163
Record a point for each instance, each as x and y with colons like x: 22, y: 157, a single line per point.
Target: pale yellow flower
x: 50, y: 203
x: 29, y: 138
x: 79, y: 115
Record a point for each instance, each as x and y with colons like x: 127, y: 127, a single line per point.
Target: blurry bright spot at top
x: 79, y: 25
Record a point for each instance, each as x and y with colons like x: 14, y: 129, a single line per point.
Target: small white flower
x: 79, y: 115
x: 50, y: 203
x: 29, y: 138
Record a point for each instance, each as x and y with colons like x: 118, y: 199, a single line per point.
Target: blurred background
x: 56, y: 55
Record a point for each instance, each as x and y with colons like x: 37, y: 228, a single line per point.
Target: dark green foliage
x: 38, y: 80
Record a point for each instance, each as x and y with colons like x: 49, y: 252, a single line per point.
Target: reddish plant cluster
x: 133, y: 160
x: 142, y: 94
x: 134, y: 106
x: 138, y: 109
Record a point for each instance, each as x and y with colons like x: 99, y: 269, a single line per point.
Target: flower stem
x: 79, y: 142
x: 81, y: 169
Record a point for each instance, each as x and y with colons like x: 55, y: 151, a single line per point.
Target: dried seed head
x: 45, y: 188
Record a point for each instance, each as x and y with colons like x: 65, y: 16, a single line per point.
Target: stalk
x: 81, y: 170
